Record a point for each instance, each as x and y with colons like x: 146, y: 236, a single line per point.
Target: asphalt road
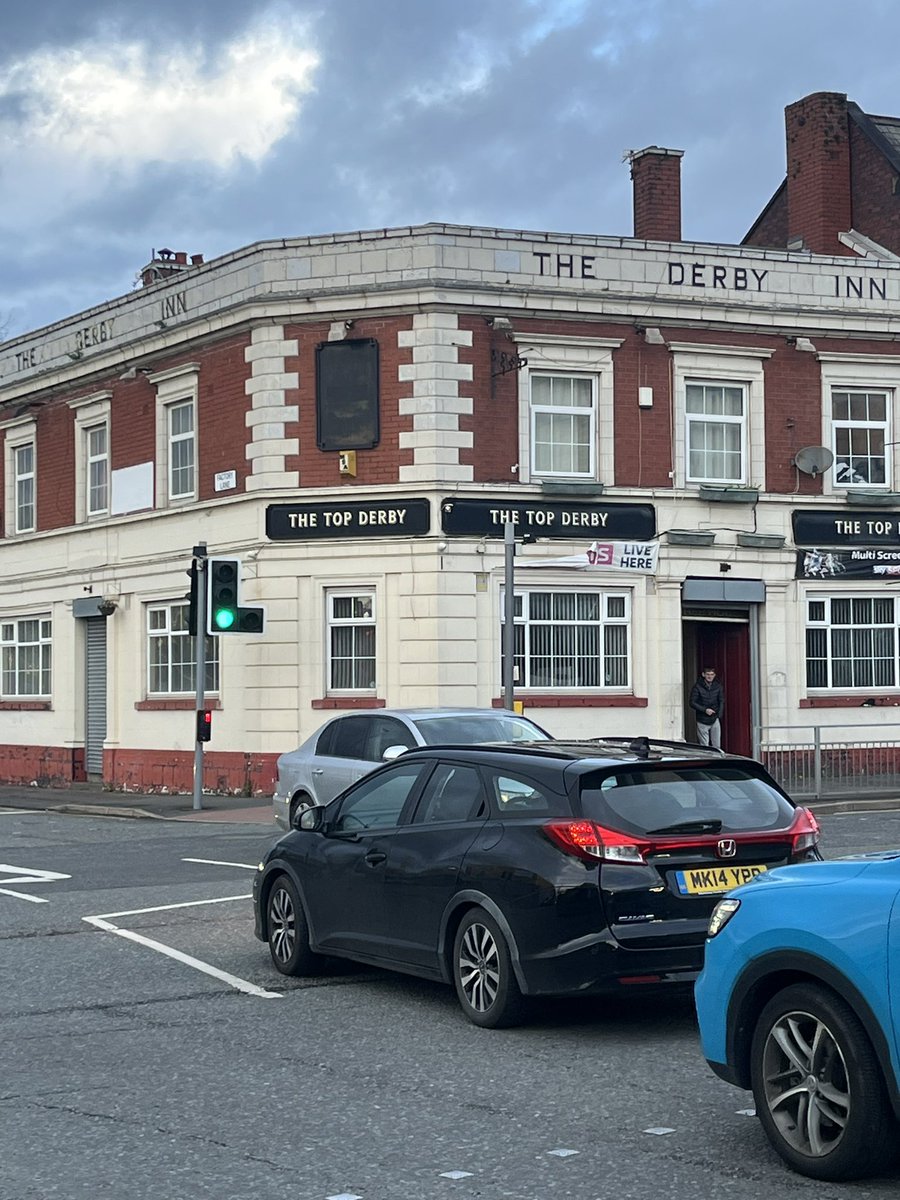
x: 149, y: 1049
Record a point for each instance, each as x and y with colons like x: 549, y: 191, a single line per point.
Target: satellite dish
x: 813, y: 460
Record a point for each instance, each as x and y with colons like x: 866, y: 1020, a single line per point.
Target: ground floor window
x: 171, y: 661
x: 351, y: 641
x: 851, y: 642
x: 26, y: 648
x: 571, y: 639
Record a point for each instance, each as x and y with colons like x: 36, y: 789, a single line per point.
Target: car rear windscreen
x: 643, y: 801
x: 469, y: 730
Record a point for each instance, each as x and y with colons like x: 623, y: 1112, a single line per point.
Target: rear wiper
x: 713, y: 826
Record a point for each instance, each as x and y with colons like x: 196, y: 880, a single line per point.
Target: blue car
x: 799, y: 999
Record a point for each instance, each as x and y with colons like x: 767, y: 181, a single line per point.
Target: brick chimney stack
x: 656, y: 176
x: 818, y: 172
x: 165, y: 263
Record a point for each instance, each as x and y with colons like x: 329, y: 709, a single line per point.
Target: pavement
x: 90, y: 800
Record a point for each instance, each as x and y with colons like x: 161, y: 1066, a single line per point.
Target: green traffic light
x: 224, y: 618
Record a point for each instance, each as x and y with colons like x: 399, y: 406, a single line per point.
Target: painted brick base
x: 148, y: 771
x: 225, y: 773
x: 45, y: 766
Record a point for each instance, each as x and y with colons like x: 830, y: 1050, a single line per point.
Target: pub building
x: 694, y: 447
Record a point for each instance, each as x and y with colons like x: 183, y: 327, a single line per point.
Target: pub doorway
x: 723, y: 643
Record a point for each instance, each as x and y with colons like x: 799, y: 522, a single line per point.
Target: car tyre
x: 819, y: 1091
x: 287, y: 930
x: 299, y: 803
x: 483, y: 973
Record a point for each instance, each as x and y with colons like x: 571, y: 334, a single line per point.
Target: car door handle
x: 375, y: 857
x: 317, y: 771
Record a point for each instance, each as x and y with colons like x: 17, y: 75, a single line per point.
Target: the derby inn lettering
x: 706, y: 276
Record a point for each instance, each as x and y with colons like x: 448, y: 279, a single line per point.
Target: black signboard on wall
x: 846, y: 527
x: 347, y: 394
x: 346, y: 519
x: 574, y: 521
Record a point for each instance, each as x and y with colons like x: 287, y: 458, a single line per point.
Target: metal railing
x: 819, y: 761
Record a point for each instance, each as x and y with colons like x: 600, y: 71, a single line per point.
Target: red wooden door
x: 726, y: 647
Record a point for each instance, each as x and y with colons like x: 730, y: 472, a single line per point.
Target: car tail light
x: 590, y: 841
x: 804, y: 832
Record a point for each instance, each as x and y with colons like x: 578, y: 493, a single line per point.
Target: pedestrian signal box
x: 204, y: 725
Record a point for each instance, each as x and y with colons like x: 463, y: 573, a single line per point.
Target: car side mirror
x: 311, y: 819
x: 393, y: 752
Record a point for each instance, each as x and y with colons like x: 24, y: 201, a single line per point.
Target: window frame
x: 175, y: 389
x: 711, y: 364
x: 564, y: 355
x: 831, y: 629
x: 708, y: 420
x: 19, y: 434
x: 871, y: 373
x: 213, y: 682
x: 525, y: 652
x: 44, y: 644
x: 332, y: 623
x: 90, y: 413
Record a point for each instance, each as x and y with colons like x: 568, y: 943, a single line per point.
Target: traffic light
x: 224, y: 611
x: 223, y: 594
x: 193, y: 599
x: 204, y: 725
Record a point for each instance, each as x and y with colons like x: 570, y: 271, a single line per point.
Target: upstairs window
x: 860, y: 434
x: 177, y: 392
x: 566, y: 392
x: 97, y: 469
x: 23, y: 466
x: 716, y: 433
x: 181, y: 450
x: 563, y: 424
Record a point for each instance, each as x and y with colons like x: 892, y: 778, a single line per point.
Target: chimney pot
x: 181, y: 258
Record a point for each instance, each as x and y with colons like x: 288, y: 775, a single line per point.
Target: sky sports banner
x: 606, y: 556
x: 871, y: 562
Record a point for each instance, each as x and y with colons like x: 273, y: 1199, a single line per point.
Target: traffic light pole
x: 200, y: 656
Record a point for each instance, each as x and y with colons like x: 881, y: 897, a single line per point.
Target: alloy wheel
x: 282, y: 924
x: 806, y: 1084
x: 479, y: 967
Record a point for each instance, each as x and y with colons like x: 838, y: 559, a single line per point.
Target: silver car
x: 350, y: 746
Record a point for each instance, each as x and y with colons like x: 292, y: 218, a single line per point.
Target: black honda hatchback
x: 528, y: 869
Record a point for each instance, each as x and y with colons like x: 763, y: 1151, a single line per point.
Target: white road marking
x: 659, y: 1130
x: 31, y: 875
x: 241, y: 985
x: 746, y: 1112
x: 24, y: 896
x: 344, y: 1196
x: 563, y: 1153
x: 456, y: 1174
x: 215, y: 862
x: 28, y: 875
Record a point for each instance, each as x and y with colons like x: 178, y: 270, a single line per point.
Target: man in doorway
x: 707, y: 700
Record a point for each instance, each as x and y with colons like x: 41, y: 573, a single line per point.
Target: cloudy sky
x: 205, y: 125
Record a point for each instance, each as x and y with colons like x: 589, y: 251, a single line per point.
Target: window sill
x: 892, y: 701
x: 173, y: 705
x: 25, y: 706
x: 329, y: 702
x: 548, y: 700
